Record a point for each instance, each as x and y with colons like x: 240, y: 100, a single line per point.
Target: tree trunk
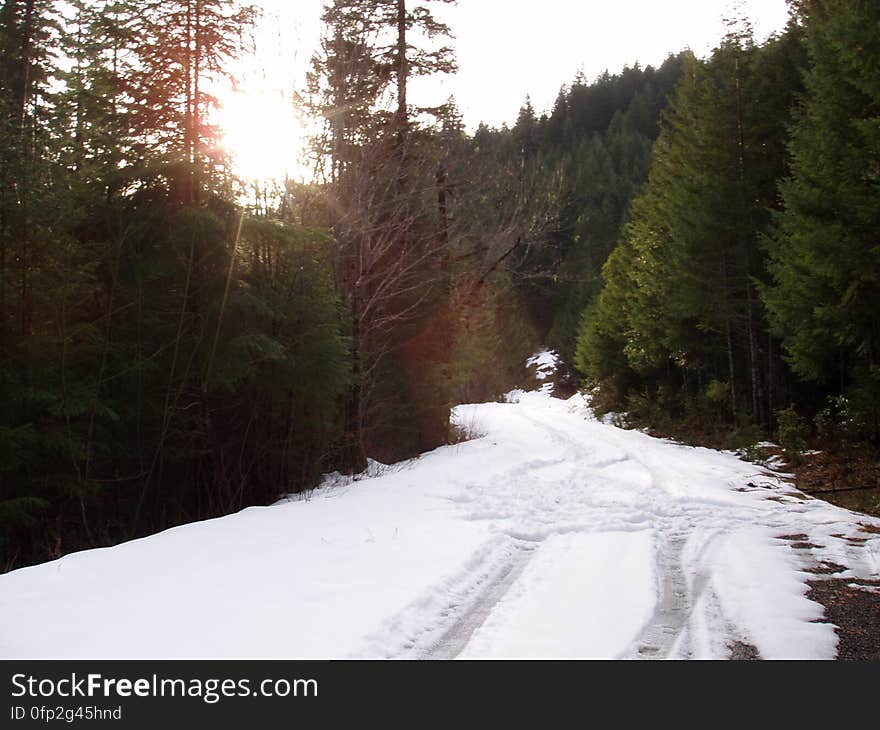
x: 196, y: 121
x: 186, y: 176
x: 27, y: 29
x: 770, y: 383
x: 728, y: 336
x: 402, y: 68
x: 730, y: 368
x: 442, y: 208
x: 743, y: 244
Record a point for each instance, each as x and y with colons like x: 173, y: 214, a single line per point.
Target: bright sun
x: 261, y: 133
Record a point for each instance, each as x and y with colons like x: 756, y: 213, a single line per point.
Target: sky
x: 506, y: 49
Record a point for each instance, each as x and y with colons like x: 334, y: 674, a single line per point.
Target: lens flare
x: 262, y: 134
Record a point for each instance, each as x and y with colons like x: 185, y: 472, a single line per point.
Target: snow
x: 550, y: 534
x: 554, y: 610
x: 760, y: 587
x: 545, y: 363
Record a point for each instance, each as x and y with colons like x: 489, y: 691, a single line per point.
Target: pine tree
x: 680, y: 294
x: 525, y: 131
x: 112, y: 293
x: 183, y: 46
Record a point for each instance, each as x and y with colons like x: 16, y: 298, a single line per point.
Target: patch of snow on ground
x: 545, y: 363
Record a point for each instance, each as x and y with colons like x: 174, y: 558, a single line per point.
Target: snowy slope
x: 550, y: 535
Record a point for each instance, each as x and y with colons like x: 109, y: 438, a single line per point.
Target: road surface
x: 549, y: 534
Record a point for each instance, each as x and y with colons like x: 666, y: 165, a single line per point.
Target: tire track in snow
x: 667, y: 633
x: 673, y: 609
x: 599, y: 480
x: 458, y: 607
x: 665, y: 628
x: 464, y: 624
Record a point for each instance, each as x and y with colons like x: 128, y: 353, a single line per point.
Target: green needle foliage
x: 824, y: 299
x: 679, y: 314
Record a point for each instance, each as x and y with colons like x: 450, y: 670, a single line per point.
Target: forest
x: 700, y: 241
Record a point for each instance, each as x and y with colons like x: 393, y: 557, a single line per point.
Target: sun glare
x: 262, y: 134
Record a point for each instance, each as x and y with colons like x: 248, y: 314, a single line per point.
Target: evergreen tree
x: 679, y: 297
x: 182, y: 46
x: 603, y: 170
x: 824, y: 302
x: 525, y: 131
x: 146, y: 334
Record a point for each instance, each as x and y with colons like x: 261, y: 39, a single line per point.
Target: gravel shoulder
x: 853, y: 606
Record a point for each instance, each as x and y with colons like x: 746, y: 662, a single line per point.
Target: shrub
x: 743, y: 438
x: 792, y: 433
x: 718, y: 391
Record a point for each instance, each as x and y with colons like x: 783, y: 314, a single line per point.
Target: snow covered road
x: 549, y: 535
